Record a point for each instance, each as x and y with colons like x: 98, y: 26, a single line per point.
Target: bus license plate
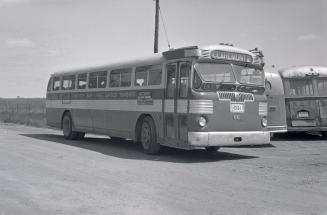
x: 236, y: 108
x: 303, y: 114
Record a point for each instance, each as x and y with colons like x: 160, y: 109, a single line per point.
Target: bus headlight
x: 202, y: 121
x: 264, y: 122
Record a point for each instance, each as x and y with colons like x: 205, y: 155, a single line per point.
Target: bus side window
x: 184, y: 73
x: 120, y: 78
x: 68, y: 82
x: 141, y: 76
x: 171, y: 80
x: 102, y: 79
x: 56, y: 83
x: 93, y: 80
x: 81, y: 81
x: 126, y: 77
x: 155, y: 76
x: 148, y: 75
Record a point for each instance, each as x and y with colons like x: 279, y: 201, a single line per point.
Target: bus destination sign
x: 224, y: 55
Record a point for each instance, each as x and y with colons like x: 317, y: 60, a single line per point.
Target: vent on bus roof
x: 205, y: 53
x: 235, y: 96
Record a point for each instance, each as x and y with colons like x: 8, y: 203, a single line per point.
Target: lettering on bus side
x: 144, y: 98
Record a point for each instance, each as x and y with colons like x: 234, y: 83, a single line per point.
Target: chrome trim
x: 182, y: 106
x: 277, y: 129
x: 235, y: 96
x: 263, y: 109
x: 169, y: 105
x: 201, y: 106
x: 227, y: 138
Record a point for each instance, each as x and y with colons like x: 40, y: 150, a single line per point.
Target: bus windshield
x: 248, y: 75
x: 226, y: 73
x: 213, y: 72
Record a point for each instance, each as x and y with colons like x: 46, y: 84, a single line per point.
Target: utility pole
x: 156, y: 28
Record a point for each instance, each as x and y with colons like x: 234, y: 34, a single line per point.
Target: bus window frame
x: 131, y: 70
x: 73, y: 82
x: 53, y: 83
x: 87, y: 81
x: 179, y: 79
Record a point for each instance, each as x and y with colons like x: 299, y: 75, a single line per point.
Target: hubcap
x: 146, y: 135
x: 66, y: 126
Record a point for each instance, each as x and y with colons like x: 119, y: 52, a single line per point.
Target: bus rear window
x: 300, y: 87
x: 56, y: 83
x: 322, y: 87
x: 49, y: 85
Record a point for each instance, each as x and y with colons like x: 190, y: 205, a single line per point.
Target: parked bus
x: 305, y: 90
x: 193, y: 97
x: 276, y: 102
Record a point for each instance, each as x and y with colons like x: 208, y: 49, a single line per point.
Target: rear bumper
x: 203, y: 139
x: 277, y: 129
x: 304, y: 129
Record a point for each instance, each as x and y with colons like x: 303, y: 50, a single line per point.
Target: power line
x: 164, y: 26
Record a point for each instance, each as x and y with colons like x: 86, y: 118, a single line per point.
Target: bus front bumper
x: 203, y: 139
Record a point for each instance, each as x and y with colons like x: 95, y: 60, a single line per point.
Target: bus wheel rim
x: 66, y: 126
x: 146, y: 136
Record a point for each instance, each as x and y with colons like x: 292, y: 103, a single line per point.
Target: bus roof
x: 303, y: 71
x: 190, y: 51
x: 154, y: 59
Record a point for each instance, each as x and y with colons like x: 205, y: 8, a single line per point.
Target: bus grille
x: 235, y: 96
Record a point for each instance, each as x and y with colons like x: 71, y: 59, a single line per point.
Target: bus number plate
x: 236, y: 108
x: 303, y: 114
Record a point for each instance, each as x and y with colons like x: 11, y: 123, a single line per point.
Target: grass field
x: 26, y: 111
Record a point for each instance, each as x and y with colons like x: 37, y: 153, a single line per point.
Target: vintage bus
x: 305, y: 90
x: 194, y: 97
x: 276, y: 102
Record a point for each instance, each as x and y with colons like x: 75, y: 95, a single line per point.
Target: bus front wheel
x: 67, y: 128
x: 149, y: 136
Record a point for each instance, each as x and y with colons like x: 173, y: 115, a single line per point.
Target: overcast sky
x: 39, y: 37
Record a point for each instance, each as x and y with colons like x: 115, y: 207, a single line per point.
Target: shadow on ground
x: 129, y: 150
x: 298, y: 137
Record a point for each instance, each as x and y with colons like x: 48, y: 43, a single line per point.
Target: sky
x: 39, y: 37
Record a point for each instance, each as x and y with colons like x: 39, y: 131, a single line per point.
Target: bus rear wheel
x: 149, y: 136
x: 67, y: 128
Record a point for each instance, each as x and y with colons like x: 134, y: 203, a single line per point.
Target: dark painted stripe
x: 105, y: 95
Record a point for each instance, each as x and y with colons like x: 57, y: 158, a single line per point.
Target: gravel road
x: 42, y: 173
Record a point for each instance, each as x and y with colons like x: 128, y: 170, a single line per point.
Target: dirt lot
x: 41, y: 173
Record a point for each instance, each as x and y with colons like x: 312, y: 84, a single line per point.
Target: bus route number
x: 236, y: 108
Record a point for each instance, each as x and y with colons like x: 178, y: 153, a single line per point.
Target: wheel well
x: 139, y: 126
x: 62, y: 117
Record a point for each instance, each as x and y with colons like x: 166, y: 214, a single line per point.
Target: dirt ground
x: 41, y: 173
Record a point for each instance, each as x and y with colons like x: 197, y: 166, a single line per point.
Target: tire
x: 324, y: 134
x: 212, y: 149
x: 149, y: 136
x: 67, y: 127
x: 80, y: 135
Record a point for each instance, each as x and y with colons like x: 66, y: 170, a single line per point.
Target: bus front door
x: 176, y: 103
